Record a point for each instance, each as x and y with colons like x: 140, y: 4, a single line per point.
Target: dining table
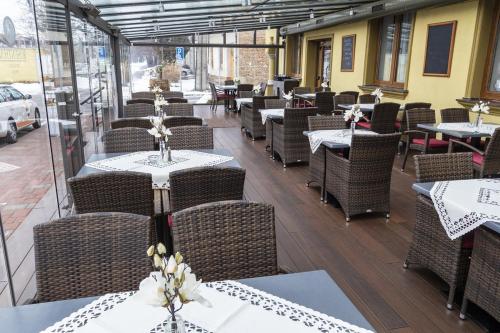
x: 364, y: 107
x: 310, y: 300
x: 243, y: 100
x: 139, y: 162
x: 462, y: 130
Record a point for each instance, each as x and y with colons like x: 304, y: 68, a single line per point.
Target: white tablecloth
x: 468, y: 127
x: 239, y: 101
x: 236, y: 308
x: 270, y: 113
x: 463, y: 205
x: 343, y: 136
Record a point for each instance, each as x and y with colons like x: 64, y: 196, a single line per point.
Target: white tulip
x: 157, y: 261
x: 476, y: 108
x: 151, y: 251
x: 154, y: 132
x: 171, y: 265
x: 161, y: 248
x: 151, y: 290
x: 189, y: 290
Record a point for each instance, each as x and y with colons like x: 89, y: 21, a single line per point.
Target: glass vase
x: 353, y: 127
x: 162, y: 150
x: 169, y: 155
x: 174, y: 324
x: 477, y: 123
x: 287, y: 104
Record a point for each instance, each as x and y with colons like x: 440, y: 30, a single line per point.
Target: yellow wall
x: 18, y: 65
x: 471, y: 42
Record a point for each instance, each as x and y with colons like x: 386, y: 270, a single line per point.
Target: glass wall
x: 52, y: 117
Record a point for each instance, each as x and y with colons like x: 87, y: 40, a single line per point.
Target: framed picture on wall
x: 439, y: 48
x: 348, y: 49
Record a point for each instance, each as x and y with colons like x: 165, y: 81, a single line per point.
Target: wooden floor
x: 364, y: 257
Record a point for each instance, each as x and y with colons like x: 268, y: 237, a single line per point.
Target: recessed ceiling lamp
x: 162, y: 9
x: 262, y: 18
x: 352, y: 12
x: 246, y: 3
x: 311, y: 14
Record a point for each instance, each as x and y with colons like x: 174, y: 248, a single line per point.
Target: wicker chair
x: 131, y: 122
x: 362, y: 183
x: 191, y: 137
x: 182, y: 121
x: 317, y: 159
x: 143, y: 94
x: 246, y: 94
x: 382, y: 119
x: 324, y: 102
x: 197, y: 186
x: 138, y: 110
x: 141, y: 101
x: 431, y: 247
x: 366, y: 99
x: 170, y: 94
x: 113, y: 191
x: 90, y: 255
x: 354, y: 94
x: 455, y: 115
x: 242, y: 232
x: 482, y: 286
x: 421, y: 140
x: 288, y: 138
x: 289, y: 84
x: 176, y: 100
x: 272, y: 104
x: 487, y: 162
x: 179, y: 109
x: 251, y: 119
x: 342, y: 99
x: 218, y: 95
x: 401, y: 125
x: 321, y: 89
x: 127, y: 140
x: 263, y: 87
x: 244, y: 87
x: 228, y: 82
x: 300, y: 90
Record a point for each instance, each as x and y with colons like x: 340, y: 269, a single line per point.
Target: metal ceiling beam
x: 243, y: 46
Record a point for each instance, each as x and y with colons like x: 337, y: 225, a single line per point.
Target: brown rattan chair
x: 176, y: 100
x: 191, y: 137
x: 320, y: 89
x: 455, y: 115
x: 487, y: 162
x: 263, y: 87
x: 362, y: 183
x: 300, y: 90
x: 228, y: 82
x: 179, y: 109
x: 342, y: 99
x: 91, y: 255
x: 289, y: 84
x: 141, y: 101
x: 244, y: 87
x: 177, y: 121
x: 324, y: 102
x: 138, y: 110
x: 127, y: 140
x: 288, y: 137
x: 402, y: 125
x: 482, y: 287
x: 113, y: 191
x: 366, y: 99
x: 382, y: 118
x: 420, y: 140
x: 317, y: 159
x: 354, y: 94
x: 170, y: 94
x: 272, y: 104
x: 245, y: 94
x: 196, y: 186
x: 218, y: 95
x: 131, y: 122
x: 243, y: 233
x: 143, y: 94
x: 251, y: 119
x: 431, y: 247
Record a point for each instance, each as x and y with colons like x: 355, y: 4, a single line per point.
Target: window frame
x: 494, y: 34
x: 392, y: 83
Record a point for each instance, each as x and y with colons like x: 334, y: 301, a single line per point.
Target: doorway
x: 323, y: 61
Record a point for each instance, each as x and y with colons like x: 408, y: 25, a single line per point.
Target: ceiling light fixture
x: 311, y: 14
x: 352, y: 12
x: 162, y: 8
x: 245, y: 3
x: 262, y: 18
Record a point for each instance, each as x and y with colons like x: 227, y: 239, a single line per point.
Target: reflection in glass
x: 385, y: 50
x: 494, y: 84
x: 404, y: 45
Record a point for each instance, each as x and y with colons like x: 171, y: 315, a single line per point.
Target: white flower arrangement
x: 256, y: 89
x: 354, y: 114
x: 159, y: 103
x: 481, y: 107
x: 288, y: 96
x: 324, y: 85
x: 172, y: 284
x: 159, y: 130
x: 378, y: 94
x: 157, y: 90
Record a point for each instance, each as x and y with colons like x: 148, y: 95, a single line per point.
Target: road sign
x: 179, y: 55
x: 102, y: 52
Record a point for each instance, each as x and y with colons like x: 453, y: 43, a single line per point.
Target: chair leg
x: 451, y: 297
x: 405, y: 158
x: 463, y: 310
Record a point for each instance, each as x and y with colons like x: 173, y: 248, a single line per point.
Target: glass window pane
x: 494, y: 84
x: 404, y: 45
x: 385, y: 51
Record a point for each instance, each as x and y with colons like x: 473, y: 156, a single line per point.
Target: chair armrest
x: 424, y: 133
x: 340, y: 165
x: 466, y: 145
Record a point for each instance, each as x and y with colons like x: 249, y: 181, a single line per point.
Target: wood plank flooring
x: 364, y: 257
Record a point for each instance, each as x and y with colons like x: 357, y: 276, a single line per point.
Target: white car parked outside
x: 16, y: 111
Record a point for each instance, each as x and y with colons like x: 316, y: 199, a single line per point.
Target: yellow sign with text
x: 18, y: 65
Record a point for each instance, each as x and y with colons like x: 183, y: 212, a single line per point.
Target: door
x: 323, y: 62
